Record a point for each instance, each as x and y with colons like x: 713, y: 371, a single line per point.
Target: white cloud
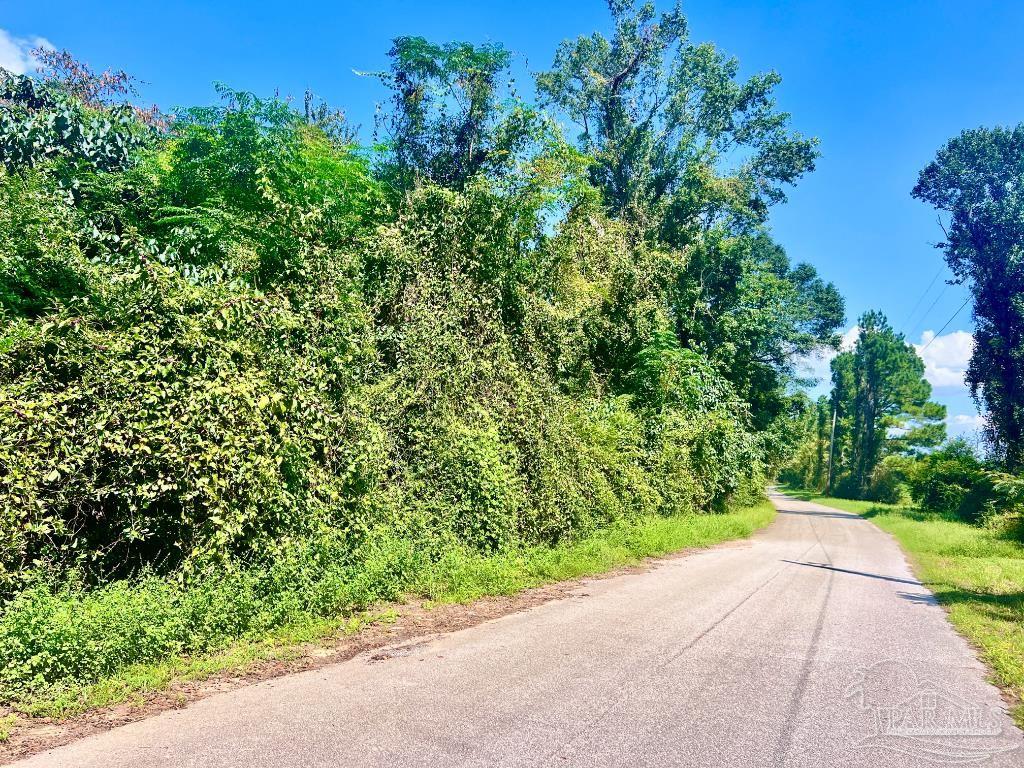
x: 945, y: 357
x: 964, y: 424
x: 816, y: 367
x: 974, y: 421
x: 848, y: 340
x: 16, y: 52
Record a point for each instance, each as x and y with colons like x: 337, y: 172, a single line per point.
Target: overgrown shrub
x: 228, y: 331
x: 951, y: 480
x: 889, y: 479
x: 255, y: 358
x: 161, y: 411
x: 70, y: 635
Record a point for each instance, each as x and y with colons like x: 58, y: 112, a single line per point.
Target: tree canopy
x: 663, y: 118
x: 448, y: 122
x: 882, y: 402
x: 978, y: 179
x: 230, y: 329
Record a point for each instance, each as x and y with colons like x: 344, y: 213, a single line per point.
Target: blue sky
x: 882, y: 84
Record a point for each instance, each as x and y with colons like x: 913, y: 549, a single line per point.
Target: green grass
x: 66, y: 651
x: 977, y: 573
x: 7, y: 723
x: 133, y: 682
x: 464, y: 576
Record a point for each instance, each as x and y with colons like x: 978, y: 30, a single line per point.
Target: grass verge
x: 976, y: 573
x: 66, y: 651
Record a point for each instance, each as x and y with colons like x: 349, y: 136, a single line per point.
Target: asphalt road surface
x: 810, y: 645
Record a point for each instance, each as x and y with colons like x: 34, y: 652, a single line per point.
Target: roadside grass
x: 7, y: 722
x: 462, y: 576
x: 975, y: 572
x: 131, y: 684
x: 68, y: 651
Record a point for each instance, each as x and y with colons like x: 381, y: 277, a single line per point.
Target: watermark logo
x: 917, y: 717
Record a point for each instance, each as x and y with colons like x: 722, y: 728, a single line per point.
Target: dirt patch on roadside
x: 416, y: 622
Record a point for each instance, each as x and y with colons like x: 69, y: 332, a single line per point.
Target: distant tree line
x: 887, y: 434
x: 879, y: 407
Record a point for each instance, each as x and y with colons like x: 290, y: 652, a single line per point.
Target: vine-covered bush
x: 227, y: 332
x: 211, y: 368
x: 951, y: 480
x: 252, y: 373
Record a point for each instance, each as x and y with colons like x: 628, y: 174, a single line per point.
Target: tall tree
x: 978, y: 178
x: 755, y: 313
x: 883, y: 401
x: 662, y: 115
x: 661, y: 118
x: 447, y: 123
x: 807, y: 466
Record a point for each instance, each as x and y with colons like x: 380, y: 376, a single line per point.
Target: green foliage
x: 978, y: 178
x: 447, y: 124
x: 889, y: 479
x: 950, y: 481
x: 70, y: 635
x: 954, y: 482
x: 754, y: 313
x: 250, y: 372
x: 807, y: 463
x: 699, y: 425
x: 249, y: 186
x: 219, y: 378
x: 659, y: 114
x: 35, y: 271
x: 40, y: 123
x: 57, y: 641
x: 882, y: 401
x: 158, y: 405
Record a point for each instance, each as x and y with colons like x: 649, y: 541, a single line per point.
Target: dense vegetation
x: 246, y: 361
x: 876, y: 436
x: 977, y: 180
x: 879, y: 409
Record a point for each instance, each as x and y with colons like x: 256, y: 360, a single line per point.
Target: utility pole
x: 831, y: 450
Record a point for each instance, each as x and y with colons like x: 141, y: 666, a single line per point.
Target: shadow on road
x: 912, y: 597
x: 827, y: 567
x: 846, y: 515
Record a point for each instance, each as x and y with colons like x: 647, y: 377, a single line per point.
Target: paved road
x: 811, y: 645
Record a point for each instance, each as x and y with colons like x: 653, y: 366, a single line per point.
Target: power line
x: 933, y: 338
x: 928, y: 311
x: 921, y: 297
